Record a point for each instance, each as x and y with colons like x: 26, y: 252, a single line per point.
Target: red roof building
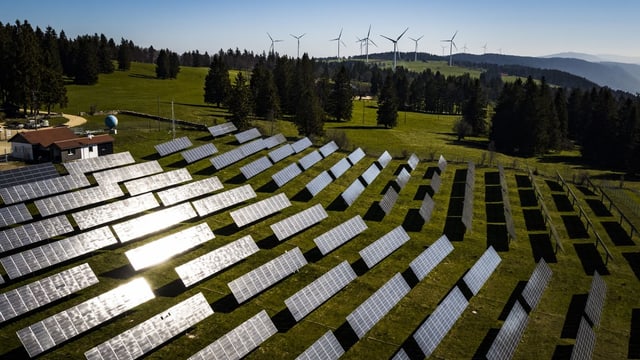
x: 58, y: 145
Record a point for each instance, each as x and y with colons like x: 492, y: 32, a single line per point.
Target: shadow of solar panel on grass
x: 527, y: 198
x: 590, y: 259
x: 492, y: 193
x: 575, y: 227
x: 574, y: 316
x: 598, y: 207
x: 585, y: 190
x: 497, y: 237
x: 534, y: 220
x: 562, y: 202
x: 617, y: 233
x: 453, y: 226
x: 428, y: 174
x: 495, y: 213
x: 374, y: 213
x: 634, y: 335
x: 554, y: 185
x: 523, y: 181
x: 485, y: 345
x: 542, y: 248
x: 633, y: 258
x: 413, y: 221
x: 123, y: 272
x: 562, y: 352
x: 422, y: 191
x: 492, y: 178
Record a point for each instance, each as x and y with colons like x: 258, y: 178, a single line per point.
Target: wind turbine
x: 368, y: 40
x: 451, y: 45
x: 395, y: 45
x: 361, y: 41
x: 339, y: 40
x: 415, y: 56
x: 272, y: 48
x: 443, y: 47
x: 464, y: 49
x: 298, y: 38
x: 484, y: 47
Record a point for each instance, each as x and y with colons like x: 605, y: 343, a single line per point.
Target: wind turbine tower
x: 273, y: 41
x: 368, y: 40
x: 361, y: 42
x: 415, y: 55
x: 451, y: 45
x: 339, y: 40
x: 298, y: 38
x: 395, y: 46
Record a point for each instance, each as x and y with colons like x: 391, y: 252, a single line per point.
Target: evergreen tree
x: 264, y: 93
x: 26, y: 78
x: 387, y: 104
x: 309, y: 117
x: 239, y: 102
x: 600, y: 132
x: 217, y: 84
x: 52, y: 90
x: 124, y: 55
x: 86, y: 61
x: 401, y: 82
x: 417, y: 91
x: 560, y: 105
x: 282, y: 74
x: 474, y: 109
x: 162, y: 65
x: 505, y: 128
x: 341, y: 96
x: 174, y: 65
x: 104, y: 56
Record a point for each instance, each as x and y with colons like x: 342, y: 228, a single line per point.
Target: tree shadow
x: 523, y: 181
x: 497, y: 237
x: 617, y: 234
x: 573, y: 317
x: 598, y: 207
x: 541, y: 248
x: 562, y: 202
x: 633, y: 258
x: 634, y: 336
x: 554, y: 186
x: 142, y: 76
x: 375, y: 212
x: 492, y: 193
x: 527, y: 198
x: 533, y: 219
x: 590, y: 259
x: 172, y: 289
x: 413, y: 221
x: 575, y: 227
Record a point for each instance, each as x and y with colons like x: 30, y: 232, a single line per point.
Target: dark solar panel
x: 27, y: 174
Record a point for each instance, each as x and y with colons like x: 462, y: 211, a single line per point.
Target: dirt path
x: 74, y: 120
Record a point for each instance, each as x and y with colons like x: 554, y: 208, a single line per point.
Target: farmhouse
x: 58, y: 145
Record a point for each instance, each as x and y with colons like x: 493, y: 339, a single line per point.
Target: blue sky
x: 533, y: 28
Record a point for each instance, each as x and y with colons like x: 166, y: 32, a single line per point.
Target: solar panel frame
x: 157, y: 181
x: 384, y: 159
x: 595, y: 300
x: 89, y: 165
x: 263, y: 277
x: 199, y: 152
x: 384, y: 246
x: 388, y: 200
x: 328, y: 148
x: 298, y: 222
x: 259, y: 210
x: 467, y: 208
x: 27, y: 174
x: 431, y: 257
x: 370, y: 174
x: 480, y: 272
x: 340, y: 167
x: 73, y: 200
x: 31, y: 233
x: 286, y: 174
x: 173, y: 146
x: 351, y: 193
x: 309, y: 298
x: 275, y: 140
x: 222, y: 129
x: 355, y: 156
x: 372, y: 310
x: 310, y: 159
x: 255, y: 167
x: 280, y: 153
x: 339, y: 235
x: 318, y: 183
x: 509, y: 335
x: 153, y: 222
x: 327, y: 347
x: 585, y: 342
x: 301, y: 144
x: 113, y: 211
x: 247, y: 135
x: 127, y: 172
x: 33, y: 190
x: 537, y: 283
x: 14, y: 214
x: 223, y: 200
x: 190, y: 190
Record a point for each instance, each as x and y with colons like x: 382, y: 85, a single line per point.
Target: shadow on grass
x: 122, y: 273
x: 633, y: 258
x: 410, y: 277
x: 428, y: 174
x: 497, y: 237
x: 423, y: 190
x: 390, y: 183
x: 554, y: 185
x: 237, y: 179
x: 515, y: 296
x: 269, y: 187
x: 208, y: 171
x: 225, y: 304
x: 313, y: 255
x: 534, y: 220
x: 346, y: 336
x: 227, y: 230
x: 412, y: 349
x: 457, y: 189
x: 302, y: 196
x: 178, y: 164
x: 573, y: 317
x: 492, y: 193
x: 617, y: 234
x: 492, y: 178
x: 522, y: 181
x: 562, y: 202
x: 575, y: 227
x: 527, y: 198
x: 590, y: 259
x: 17, y: 353
x: 562, y: 352
x: 460, y: 175
x: 284, y: 320
x: 598, y: 207
x: 269, y: 242
x: 413, y: 221
x: 152, y: 156
x: 374, y: 213
x: 485, y: 345
x: 586, y: 191
x: 495, y: 213
x: 542, y: 248
x: 172, y: 289
x: 337, y: 204
x: 359, y: 267
x: 634, y: 336
x: 454, y: 229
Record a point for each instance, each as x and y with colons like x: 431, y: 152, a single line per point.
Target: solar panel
x: 481, y: 270
x: 247, y: 135
x: 165, y: 248
x: 45, y: 291
x: 33, y: 190
x: 310, y: 159
x: 431, y: 257
x: 388, y: 200
x: 210, y: 263
x: 351, y: 194
x: 14, y: 214
x: 158, y: 181
x: 189, y: 191
x: 538, y: 281
x: 413, y: 161
x: 199, y: 153
x: 298, y: 222
x: 403, y: 178
x: 429, y: 335
x: 318, y: 183
x: 595, y: 300
x: 240, y: 341
x: 252, y: 147
x: 401, y: 355
x: 356, y: 155
x: 173, y: 146
x: 384, y: 159
x: 286, y: 174
x: 326, y: 347
x: 44, y: 256
x: 340, y: 168
x: 260, y: 209
x: 307, y: 299
x: 222, y: 129
x: 223, y: 200
x: 426, y: 208
x: 370, y: 174
x: 89, y: 165
x: 467, y: 208
x: 280, y: 153
x: 27, y: 174
x: 153, y: 332
x: 153, y: 222
x: 442, y: 164
x: 255, y: 167
x: 436, y: 181
x: 266, y: 275
x: 328, y: 148
x: 57, y: 329
x: 509, y: 335
x: 127, y: 172
x: 274, y: 141
x: 227, y: 158
x: 381, y: 248
x: 340, y: 234
x: 77, y: 199
x: 1, y: 280
x: 585, y: 342
x: 301, y: 144
x: 19, y: 236
x: 367, y: 315
x: 103, y: 214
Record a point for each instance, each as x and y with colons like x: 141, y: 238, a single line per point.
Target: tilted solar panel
x: 370, y: 174
x: 339, y: 168
x: 509, y: 335
x: 223, y: 200
x: 298, y: 222
x: 27, y: 174
x: 413, y: 161
x: 14, y: 214
x: 158, y: 181
x: 27, y: 234
x: 173, y: 146
x: 274, y: 141
x: 280, y: 153
x: 89, y: 165
x: 585, y: 342
x: 301, y: 144
x: 153, y: 222
x: 595, y: 299
x: 127, y: 172
x: 384, y: 159
x: 538, y: 281
x: 431, y: 257
x: 442, y: 164
x: 340, y: 234
x: 286, y: 174
x: 326, y: 347
x: 103, y: 214
x: 384, y: 246
x: 310, y: 159
x: 199, y: 153
x: 355, y: 156
x: 328, y: 148
x: 64, y: 202
x: 351, y: 193
x: 318, y: 183
x: 33, y: 190
x: 482, y: 270
x: 222, y: 129
x: 247, y: 135
x: 260, y: 209
x: 388, y: 200
x: 255, y: 167
x: 189, y: 191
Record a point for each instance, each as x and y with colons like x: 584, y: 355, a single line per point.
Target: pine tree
x: 162, y: 65
x: 86, y: 61
x: 264, y: 93
x: 282, y: 74
x: 104, y: 56
x: 52, y: 90
x: 560, y: 105
x: 309, y: 118
x: 217, y: 84
x: 239, y: 102
x: 174, y: 65
x: 387, y: 104
x: 474, y: 109
x: 341, y: 96
x: 124, y: 55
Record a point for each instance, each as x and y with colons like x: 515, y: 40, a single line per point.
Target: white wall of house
x: 22, y: 151
x: 90, y: 151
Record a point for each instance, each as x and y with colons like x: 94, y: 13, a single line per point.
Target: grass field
x: 551, y: 328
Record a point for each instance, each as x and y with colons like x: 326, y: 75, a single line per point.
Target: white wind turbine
x: 339, y: 40
x: 415, y: 56
x: 484, y: 47
x: 366, y: 41
x: 272, y: 48
x: 395, y: 46
x: 451, y: 45
x: 298, y: 38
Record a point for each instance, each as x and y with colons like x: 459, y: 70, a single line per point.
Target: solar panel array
x: 240, y: 341
x: 367, y: 315
x: 127, y: 172
x: 413, y: 161
x: 286, y: 174
x: 173, y: 146
x: 538, y: 281
x: 351, y: 193
x: 44, y: 256
x: 429, y: 335
x: 163, y: 249
x: 381, y: 248
x: 264, y: 276
x: 328, y: 148
x: 326, y: 347
x: 189, y: 191
x: 280, y: 153
x: 158, y: 181
x: 88, y: 165
x: 467, y: 209
x: 222, y: 129
x: 210, y: 263
x: 103, y: 214
x: 232, y: 156
x: 247, y: 135
x: 298, y: 222
x: 340, y: 234
x: 275, y: 140
x: 260, y: 209
x: 384, y: 159
x: 595, y: 299
x: 431, y: 257
x: 27, y: 234
x: 370, y: 174
x: 153, y: 222
x: 585, y: 342
x: 27, y: 174
x: 14, y: 214
x: 318, y: 183
x: 64, y: 202
x: 310, y: 159
x: 199, y: 152
x: 59, y: 328
x: 509, y: 335
x: 255, y: 167
x: 45, y: 291
x: 339, y: 168
x: 511, y: 227
x: 33, y: 190
x: 301, y: 144
x: 223, y: 200
x: 442, y: 164
x: 436, y: 182
x: 426, y: 208
x: 153, y: 332
x: 356, y: 155
x: 388, y: 200
x: 403, y: 178
x: 303, y: 302
x: 481, y: 270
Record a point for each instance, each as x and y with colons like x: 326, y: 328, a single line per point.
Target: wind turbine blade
x: 412, y: 38
x: 339, y: 36
x: 454, y: 35
x: 454, y: 44
x: 303, y: 34
x: 342, y: 42
x: 373, y: 43
x: 270, y: 36
x: 405, y: 30
x: 388, y: 38
x: 418, y: 39
x: 445, y: 40
x: 369, y: 32
x: 293, y: 36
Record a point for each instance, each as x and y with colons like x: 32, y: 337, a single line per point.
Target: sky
x: 527, y: 28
